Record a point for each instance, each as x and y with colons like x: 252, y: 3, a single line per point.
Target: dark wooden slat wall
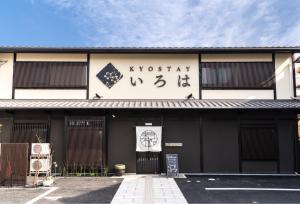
x: 84, y: 147
x: 84, y: 143
x: 217, y: 151
x: 13, y: 164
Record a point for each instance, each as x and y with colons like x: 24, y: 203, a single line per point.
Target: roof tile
x: 149, y: 104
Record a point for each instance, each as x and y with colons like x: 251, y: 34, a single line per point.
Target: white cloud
x: 181, y: 22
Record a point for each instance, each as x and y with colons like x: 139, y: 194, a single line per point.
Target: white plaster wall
x: 123, y: 88
x: 236, y: 57
x: 49, y: 94
x: 296, y: 55
x: 283, y: 75
x: 6, y: 76
x: 237, y: 94
x: 51, y: 57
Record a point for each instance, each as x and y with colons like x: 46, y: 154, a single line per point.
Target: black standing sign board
x: 172, y: 165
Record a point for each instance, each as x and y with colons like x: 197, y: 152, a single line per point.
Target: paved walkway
x: 149, y: 190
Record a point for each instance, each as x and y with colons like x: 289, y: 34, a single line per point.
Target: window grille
x: 50, y: 75
x: 29, y: 132
x: 257, y: 75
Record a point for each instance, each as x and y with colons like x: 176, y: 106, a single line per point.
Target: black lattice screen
x: 29, y: 132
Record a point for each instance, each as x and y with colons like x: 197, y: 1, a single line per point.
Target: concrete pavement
x: 148, y: 189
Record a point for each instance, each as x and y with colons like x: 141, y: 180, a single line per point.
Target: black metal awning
x: 149, y: 104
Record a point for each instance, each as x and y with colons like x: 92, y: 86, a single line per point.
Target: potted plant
x: 120, y: 169
x: 105, y: 171
x: 78, y: 171
x: 48, y: 181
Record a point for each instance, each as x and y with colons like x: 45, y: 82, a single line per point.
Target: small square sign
x: 109, y: 75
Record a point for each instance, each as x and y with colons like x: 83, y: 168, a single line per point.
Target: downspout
x: 292, y: 78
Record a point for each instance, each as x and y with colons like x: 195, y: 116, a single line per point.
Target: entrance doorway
x: 148, y: 162
x: 148, y: 148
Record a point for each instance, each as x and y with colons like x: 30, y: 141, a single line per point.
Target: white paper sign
x: 148, y: 138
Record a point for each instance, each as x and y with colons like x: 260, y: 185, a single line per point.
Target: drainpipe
x: 291, y: 78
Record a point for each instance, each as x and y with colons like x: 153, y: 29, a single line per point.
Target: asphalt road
x: 260, y: 189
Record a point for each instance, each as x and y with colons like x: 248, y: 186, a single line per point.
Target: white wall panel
x: 49, y: 94
x: 236, y: 57
x: 283, y: 75
x: 6, y: 76
x: 51, y: 57
x: 237, y: 94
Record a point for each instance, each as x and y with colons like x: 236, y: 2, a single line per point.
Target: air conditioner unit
x: 40, y: 149
x: 41, y: 165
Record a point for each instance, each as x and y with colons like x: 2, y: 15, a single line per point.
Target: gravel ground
x: 69, y: 190
x: 193, y: 188
x: 19, y: 195
x: 84, y: 190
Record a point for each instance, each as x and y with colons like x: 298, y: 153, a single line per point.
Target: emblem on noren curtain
x: 148, y: 138
x: 109, y: 75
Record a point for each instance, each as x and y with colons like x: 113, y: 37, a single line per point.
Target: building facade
x: 222, y: 110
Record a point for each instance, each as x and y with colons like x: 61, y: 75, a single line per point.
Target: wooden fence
x: 13, y: 164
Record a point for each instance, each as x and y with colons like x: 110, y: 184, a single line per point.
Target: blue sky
x: 150, y: 22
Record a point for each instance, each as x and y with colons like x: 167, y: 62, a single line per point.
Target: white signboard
x: 144, y: 76
x: 148, y: 138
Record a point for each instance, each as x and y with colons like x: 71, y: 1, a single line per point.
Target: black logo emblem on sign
x: 148, y: 138
x: 109, y: 75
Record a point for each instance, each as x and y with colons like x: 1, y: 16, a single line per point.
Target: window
x: 50, y: 75
x: 257, y: 75
x: 258, y: 143
x: 29, y: 132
